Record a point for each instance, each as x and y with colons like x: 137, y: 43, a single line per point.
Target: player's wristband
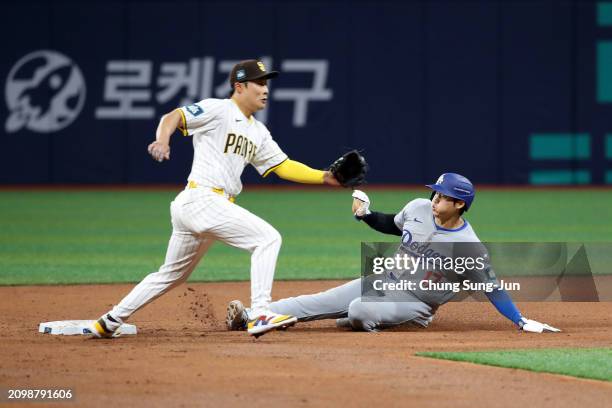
x: 359, y: 217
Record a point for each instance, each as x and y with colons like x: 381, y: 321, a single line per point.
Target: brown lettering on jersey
x: 239, y: 143
x: 245, y: 147
x: 251, y: 149
x: 231, y: 138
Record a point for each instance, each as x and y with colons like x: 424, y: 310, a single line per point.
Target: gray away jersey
x: 422, y: 237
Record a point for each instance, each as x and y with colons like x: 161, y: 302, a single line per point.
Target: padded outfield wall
x: 503, y: 92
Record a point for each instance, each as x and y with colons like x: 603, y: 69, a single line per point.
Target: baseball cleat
x: 269, y: 321
x: 105, y: 327
x: 236, y: 317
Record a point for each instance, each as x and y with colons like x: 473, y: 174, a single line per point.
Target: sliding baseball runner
x: 436, y: 224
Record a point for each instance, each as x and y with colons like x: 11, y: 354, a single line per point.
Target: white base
x: 76, y: 327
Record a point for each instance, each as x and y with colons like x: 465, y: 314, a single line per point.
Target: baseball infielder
x: 438, y: 222
x: 226, y: 137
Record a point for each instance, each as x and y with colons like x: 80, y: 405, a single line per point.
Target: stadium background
x: 503, y: 92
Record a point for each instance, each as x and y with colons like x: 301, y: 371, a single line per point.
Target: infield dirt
x: 183, y: 356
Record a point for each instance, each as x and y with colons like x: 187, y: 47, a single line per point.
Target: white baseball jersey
x: 224, y: 142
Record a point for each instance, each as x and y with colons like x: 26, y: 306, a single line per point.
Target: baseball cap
x: 250, y: 70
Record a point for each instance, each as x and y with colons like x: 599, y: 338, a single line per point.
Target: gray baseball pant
x: 364, y: 313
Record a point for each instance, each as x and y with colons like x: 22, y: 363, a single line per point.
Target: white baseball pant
x: 199, y: 217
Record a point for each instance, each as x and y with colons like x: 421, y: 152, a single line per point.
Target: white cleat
x: 269, y: 321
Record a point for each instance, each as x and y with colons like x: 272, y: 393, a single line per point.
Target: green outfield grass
x: 594, y: 363
x: 90, y: 237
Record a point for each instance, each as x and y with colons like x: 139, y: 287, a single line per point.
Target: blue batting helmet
x: 456, y: 186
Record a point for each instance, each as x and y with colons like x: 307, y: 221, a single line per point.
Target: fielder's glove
x: 350, y: 169
x: 536, y: 327
x: 361, y: 204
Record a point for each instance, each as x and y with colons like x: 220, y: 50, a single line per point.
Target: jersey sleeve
x: 408, y: 209
x: 268, y: 156
x: 400, y: 217
x: 200, y: 116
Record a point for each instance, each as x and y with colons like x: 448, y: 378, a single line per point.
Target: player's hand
x: 361, y: 204
x: 329, y: 179
x: 535, y: 327
x: 159, y: 151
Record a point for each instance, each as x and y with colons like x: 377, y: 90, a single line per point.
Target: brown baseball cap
x: 250, y: 70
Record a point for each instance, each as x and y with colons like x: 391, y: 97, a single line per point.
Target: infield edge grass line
x: 558, y: 361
